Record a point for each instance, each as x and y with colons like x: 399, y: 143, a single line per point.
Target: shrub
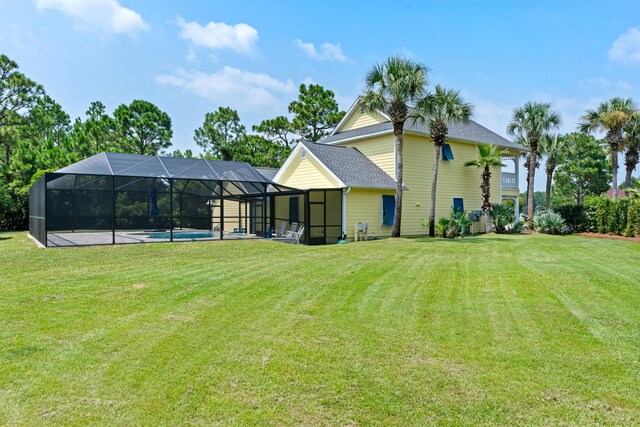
x: 574, y: 216
x: 549, y: 222
x: 633, y: 219
x: 441, y: 227
x: 453, y: 226
x: 516, y: 228
x: 501, y: 217
x: 620, y: 217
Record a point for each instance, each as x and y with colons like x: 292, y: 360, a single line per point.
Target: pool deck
x: 121, y: 237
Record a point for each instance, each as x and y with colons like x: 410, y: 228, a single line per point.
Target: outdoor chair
x: 282, y: 231
x: 291, y: 237
x: 294, y: 228
x: 297, y: 236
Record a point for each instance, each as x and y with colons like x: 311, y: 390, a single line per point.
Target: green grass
x: 515, y: 330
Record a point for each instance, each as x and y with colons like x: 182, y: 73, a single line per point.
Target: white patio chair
x: 294, y: 229
x: 291, y: 237
x: 298, y: 235
x: 282, y: 231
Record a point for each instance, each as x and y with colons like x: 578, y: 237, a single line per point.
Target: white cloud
x: 239, y: 89
x: 597, y: 81
x: 491, y: 115
x: 626, y: 48
x: 241, y: 38
x: 98, y: 15
x: 328, y: 51
x: 602, y: 82
x: 406, y: 53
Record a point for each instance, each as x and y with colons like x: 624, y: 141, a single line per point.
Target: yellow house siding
x: 281, y: 210
x: 359, y: 120
x: 379, y: 150
x: 454, y: 180
x: 365, y: 206
x: 307, y: 173
x: 232, y: 211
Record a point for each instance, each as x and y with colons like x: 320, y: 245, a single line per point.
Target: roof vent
x: 303, y: 154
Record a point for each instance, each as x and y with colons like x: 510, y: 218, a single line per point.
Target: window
x: 447, y: 154
x: 458, y: 204
x: 294, y: 206
x: 388, y: 210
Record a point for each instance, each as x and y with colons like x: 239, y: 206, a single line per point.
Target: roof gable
x: 355, y: 118
x: 352, y: 167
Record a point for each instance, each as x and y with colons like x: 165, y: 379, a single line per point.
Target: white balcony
x: 509, y: 180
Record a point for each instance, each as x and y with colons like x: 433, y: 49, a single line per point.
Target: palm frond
x: 443, y: 105
x: 488, y: 155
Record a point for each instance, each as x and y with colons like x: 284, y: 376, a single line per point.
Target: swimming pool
x: 183, y: 235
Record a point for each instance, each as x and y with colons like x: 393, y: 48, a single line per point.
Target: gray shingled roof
x: 268, y: 173
x: 352, y: 167
x: 471, y: 131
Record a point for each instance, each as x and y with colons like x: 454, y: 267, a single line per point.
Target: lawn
x: 526, y: 330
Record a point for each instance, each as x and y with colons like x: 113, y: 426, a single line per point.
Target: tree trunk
x: 487, y: 221
x: 580, y: 194
x: 550, y: 168
x: 397, y: 218
x: 631, y: 161
x: 434, y: 186
x: 614, y: 137
x: 614, y: 171
x: 486, y: 197
x: 530, y: 181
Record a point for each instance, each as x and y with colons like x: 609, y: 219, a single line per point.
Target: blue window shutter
x: 447, y: 154
x: 458, y: 204
x: 294, y: 214
x: 388, y: 209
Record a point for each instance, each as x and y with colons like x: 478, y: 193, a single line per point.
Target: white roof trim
x: 353, y: 110
x: 350, y: 112
x: 355, y: 138
x: 294, y: 153
x: 415, y: 132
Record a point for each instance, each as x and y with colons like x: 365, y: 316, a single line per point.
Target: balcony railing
x: 509, y: 180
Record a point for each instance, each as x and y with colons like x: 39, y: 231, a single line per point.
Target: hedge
x: 603, y: 215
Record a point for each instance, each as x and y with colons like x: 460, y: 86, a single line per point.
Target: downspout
x: 345, y: 191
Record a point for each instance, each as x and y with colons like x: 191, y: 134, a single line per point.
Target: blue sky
x: 192, y: 57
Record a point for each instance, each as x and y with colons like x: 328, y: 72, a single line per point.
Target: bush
x: 550, y: 222
x: 575, y: 217
x: 501, y: 217
x: 633, y: 219
x: 442, y: 226
x: 606, y: 216
x: 453, y: 226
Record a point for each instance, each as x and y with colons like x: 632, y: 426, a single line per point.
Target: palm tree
x: 554, y: 147
x: 610, y: 117
x: 391, y: 87
x: 488, y: 157
x: 524, y: 155
x: 437, y: 109
x: 531, y: 121
x: 632, y: 145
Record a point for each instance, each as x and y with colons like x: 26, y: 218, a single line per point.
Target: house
x: 620, y: 193
x: 358, y: 158
x: 342, y: 186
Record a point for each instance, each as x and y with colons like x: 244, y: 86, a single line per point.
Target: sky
x: 190, y: 58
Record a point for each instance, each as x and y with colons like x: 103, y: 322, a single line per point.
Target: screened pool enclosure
x: 115, y: 198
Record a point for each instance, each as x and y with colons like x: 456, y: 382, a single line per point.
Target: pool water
x: 183, y: 235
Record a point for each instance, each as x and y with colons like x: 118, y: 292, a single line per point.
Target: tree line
x: 37, y: 135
